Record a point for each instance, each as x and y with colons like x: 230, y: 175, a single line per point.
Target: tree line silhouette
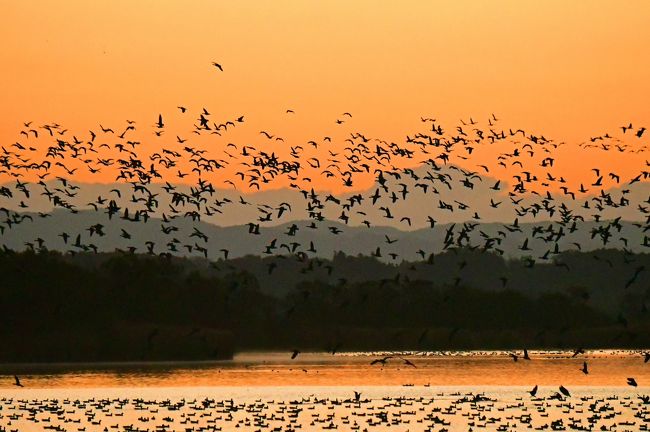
x: 126, y: 307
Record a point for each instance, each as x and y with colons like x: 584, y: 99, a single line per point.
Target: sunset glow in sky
x: 568, y: 70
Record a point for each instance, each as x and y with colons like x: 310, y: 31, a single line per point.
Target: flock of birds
x: 441, y: 411
x: 440, y: 155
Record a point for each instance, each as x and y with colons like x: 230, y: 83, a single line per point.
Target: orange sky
x: 568, y: 70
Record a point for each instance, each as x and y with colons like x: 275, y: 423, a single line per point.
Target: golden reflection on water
x: 319, y: 369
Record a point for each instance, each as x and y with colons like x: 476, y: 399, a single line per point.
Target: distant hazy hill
x: 465, y: 202
x: 351, y: 240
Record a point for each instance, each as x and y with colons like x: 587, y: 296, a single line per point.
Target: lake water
x: 316, y: 391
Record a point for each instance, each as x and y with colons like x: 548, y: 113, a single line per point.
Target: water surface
x: 316, y: 391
